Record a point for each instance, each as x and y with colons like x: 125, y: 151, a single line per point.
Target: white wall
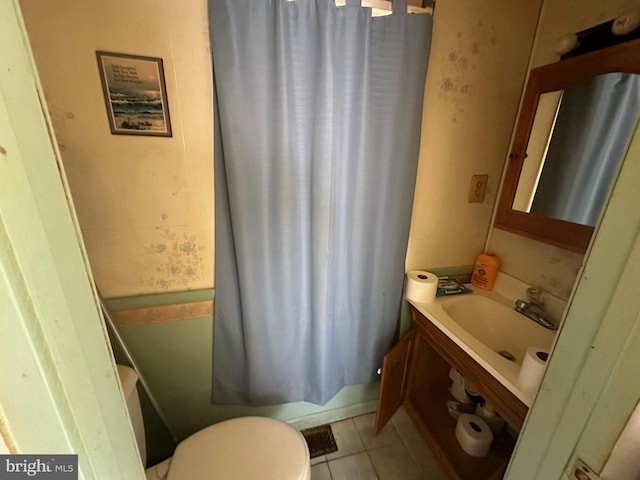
x: 139, y: 198
x: 478, y: 63
x: 145, y: 204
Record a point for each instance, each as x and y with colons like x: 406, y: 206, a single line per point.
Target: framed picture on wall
x: 135, y: 94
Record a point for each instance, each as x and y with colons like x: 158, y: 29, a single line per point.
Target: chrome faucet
x: 534, y: 308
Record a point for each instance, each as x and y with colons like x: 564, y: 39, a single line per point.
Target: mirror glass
x: 583, y: 111
x: 577, y: 141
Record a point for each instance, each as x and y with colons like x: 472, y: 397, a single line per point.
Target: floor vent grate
x: 320, y: 440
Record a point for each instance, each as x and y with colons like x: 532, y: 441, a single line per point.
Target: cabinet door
x: 395, y: 375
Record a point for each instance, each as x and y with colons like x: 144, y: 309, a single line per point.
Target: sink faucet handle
x: 535, y: 296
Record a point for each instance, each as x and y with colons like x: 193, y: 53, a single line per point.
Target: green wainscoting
x: 175, y: 358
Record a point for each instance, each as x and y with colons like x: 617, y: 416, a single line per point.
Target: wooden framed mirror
x: 546, y: 86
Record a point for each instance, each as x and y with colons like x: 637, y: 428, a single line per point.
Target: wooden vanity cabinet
x: 415, y: 374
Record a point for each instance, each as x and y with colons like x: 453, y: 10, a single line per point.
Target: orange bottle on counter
x: 485, y: 271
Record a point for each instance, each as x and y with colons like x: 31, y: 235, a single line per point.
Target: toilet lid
x: 243, y: 448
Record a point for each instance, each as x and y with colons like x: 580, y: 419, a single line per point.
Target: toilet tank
x: 128, y: 381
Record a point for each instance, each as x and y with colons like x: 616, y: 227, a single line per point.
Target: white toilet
x: 239, y: 449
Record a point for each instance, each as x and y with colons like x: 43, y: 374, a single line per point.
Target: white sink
x: 497, y: 326
x: 486, y: 326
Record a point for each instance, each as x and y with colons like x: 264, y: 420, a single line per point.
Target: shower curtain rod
x: 111, y: 325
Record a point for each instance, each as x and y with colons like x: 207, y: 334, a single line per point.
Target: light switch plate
x: 477, y: 188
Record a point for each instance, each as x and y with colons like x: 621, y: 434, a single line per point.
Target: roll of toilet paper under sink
x: 532, y: 369
x: 457, y: 388
x: 473, y: 435
x: 421, y: 286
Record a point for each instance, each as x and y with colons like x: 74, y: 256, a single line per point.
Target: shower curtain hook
x: 399, y: 6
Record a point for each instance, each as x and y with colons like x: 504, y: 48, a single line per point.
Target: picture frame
x: 135, y: 94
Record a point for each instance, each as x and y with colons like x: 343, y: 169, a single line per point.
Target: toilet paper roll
x: 532, y: 369
x: 421, y: 286
x: 473, y: 435
x: 458, y: 390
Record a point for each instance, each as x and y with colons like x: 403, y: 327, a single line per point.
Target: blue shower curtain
x: 318, y: 128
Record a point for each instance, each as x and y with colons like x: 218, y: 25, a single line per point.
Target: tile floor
x: 397, y: 453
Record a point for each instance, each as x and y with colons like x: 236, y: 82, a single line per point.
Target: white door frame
x: 59, y: 392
